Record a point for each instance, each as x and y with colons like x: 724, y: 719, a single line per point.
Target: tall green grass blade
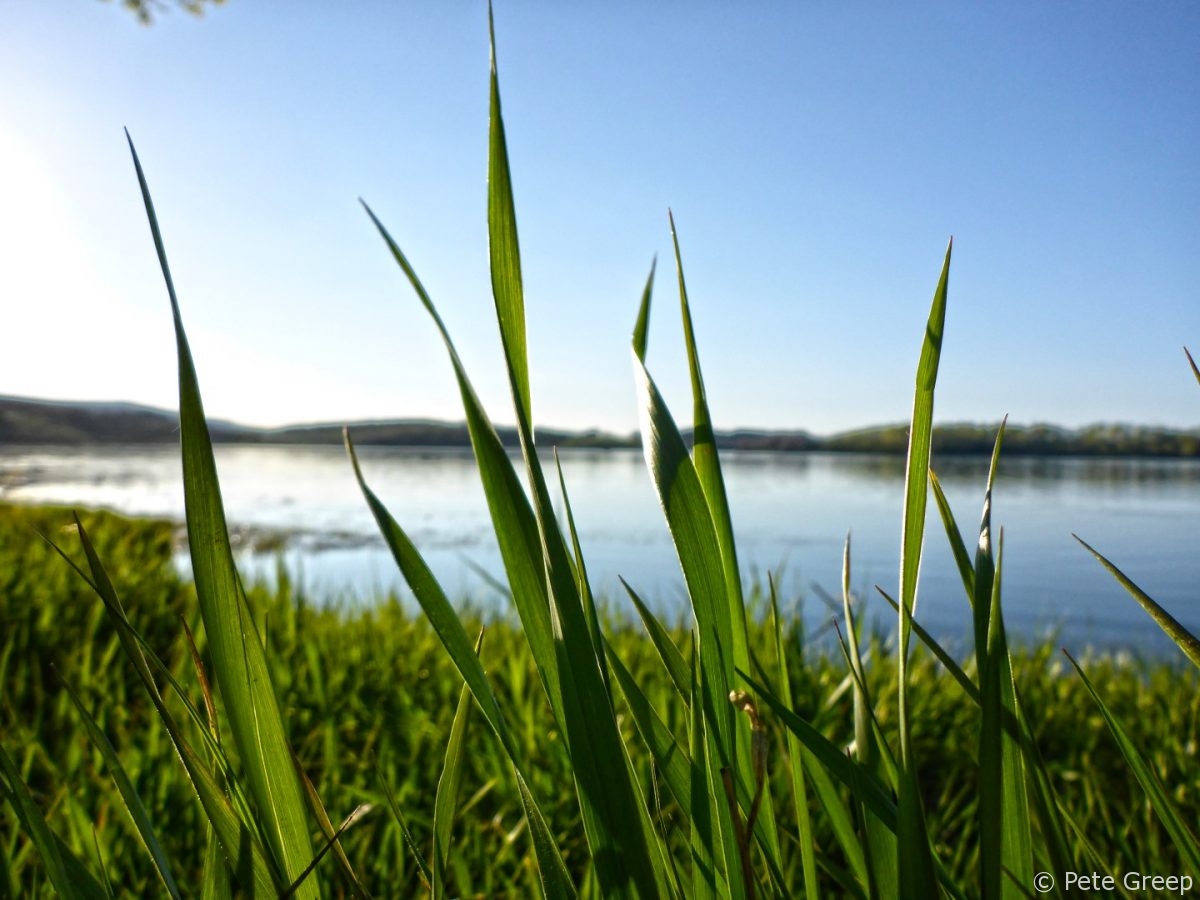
x: 1006, y: 845
x: 239, y: 661
x: 1192, y: 363
x: 1181, y: 835
x: 445, y: 802
x: 916, y: 869
x: 67, y: 874
x: 507, y: 288
x: 1184, y: 639
x: 581, y: 577
x: 508, y: 506
x: 129, y: 795
x: 708, y: 470
x: 692, y: 532
x: 612, y: 816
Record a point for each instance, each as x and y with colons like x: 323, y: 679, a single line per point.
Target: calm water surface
x: 791, y: 516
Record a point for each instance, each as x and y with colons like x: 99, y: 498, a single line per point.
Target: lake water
x: 791, y: 515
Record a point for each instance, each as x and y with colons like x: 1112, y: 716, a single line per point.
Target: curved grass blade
x: 1160, y: 800
x: 240, y: 842
x: 449, y: 628
x: 1184, y: 639
x: 672, y: 659
x: 508, y: 506
x: 239, y: 661
x: 67, y: 874
x: 962, y: 559
x: 133, y: 802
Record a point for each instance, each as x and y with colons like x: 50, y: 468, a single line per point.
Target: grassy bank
x: 369, y: 698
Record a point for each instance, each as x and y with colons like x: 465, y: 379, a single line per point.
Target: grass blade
x: 445, y: 802
x: 133, y: 803
x: 504, y: 249
x: 1192, y: 363
x: 239, y: 661
x: 1160, y: 800
x: 1006, y: 846
x: 1184, y: 639
x: 67, y: 874
x: 239, y: 839
x: 672, y: 659
x: 916, y: 869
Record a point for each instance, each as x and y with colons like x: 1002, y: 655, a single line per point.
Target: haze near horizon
x: 816, y: 159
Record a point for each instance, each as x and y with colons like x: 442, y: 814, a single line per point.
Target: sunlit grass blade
x: 449, y: 628
x: 581, y: 576
x: 239, y: 662
x: 962, y: 559
x: 1184, y: 639
x: 504, y: 249
x: 508, y: 506
x: 676, y: 666
x: 445, y: 803
x: 1006, y: 845
x: 916, y: 870
x: 613, y: 818
x: 1160, y: 800
x: 67, y: 874
x: 708, y: 469
x: 333, y: 835
x: 1192, y: 363
x: 129, y: 795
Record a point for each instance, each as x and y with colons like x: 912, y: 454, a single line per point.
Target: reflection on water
x: 791, y: 515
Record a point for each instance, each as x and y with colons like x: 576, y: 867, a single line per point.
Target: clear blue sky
x: 817, y: 157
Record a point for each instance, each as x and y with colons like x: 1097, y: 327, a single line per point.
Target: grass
x: 369, y: 698
x: 263, y: 746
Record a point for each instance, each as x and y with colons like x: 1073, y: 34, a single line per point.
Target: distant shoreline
x: 38, y: 422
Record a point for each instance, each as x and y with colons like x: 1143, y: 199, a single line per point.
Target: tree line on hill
x: 31, y: 422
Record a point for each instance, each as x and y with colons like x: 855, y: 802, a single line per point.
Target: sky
x: 817, y: 157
